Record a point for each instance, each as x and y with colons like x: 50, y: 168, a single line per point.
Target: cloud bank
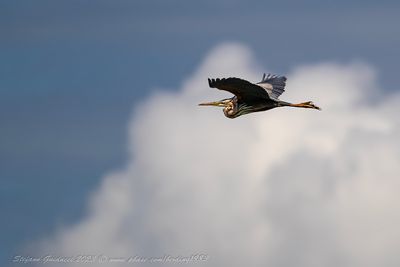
x: 287, y: 187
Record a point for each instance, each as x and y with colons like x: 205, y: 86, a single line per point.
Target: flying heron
x: 250, y: 97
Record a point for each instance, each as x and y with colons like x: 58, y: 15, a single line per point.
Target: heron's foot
x: 308, y: 104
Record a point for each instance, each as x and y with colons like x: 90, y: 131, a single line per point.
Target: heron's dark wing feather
x: 241, y: 88
x: 273, y: 84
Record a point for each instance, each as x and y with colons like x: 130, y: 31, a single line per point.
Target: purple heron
x: 250, y: 97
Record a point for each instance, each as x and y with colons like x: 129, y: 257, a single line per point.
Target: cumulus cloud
x: 287, y: 187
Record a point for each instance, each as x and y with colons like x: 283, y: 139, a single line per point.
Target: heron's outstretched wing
x: 241, y: 88
x: 273, y: 84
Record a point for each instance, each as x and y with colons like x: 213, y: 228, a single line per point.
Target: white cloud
x: 287, y: 187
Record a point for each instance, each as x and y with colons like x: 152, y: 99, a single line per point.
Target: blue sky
x: 72, y: 72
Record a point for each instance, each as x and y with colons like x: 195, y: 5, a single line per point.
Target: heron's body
x: 234, y: 109
x: 250, y: 97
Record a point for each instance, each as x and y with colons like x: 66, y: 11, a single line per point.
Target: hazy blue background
x: 71, y: 72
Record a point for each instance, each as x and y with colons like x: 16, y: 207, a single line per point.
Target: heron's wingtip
x: 211, y: 82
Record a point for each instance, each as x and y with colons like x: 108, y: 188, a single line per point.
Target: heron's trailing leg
x: 308, y: 104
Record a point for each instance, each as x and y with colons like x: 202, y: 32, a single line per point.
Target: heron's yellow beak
x: 216, y: 104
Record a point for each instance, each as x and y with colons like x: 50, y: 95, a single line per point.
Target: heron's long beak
x: 216, y: 103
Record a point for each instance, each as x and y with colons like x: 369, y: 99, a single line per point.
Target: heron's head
x: 221, y: 103
x: 229, y: 105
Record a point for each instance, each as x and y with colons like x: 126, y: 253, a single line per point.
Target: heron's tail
x: 308, y: 104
